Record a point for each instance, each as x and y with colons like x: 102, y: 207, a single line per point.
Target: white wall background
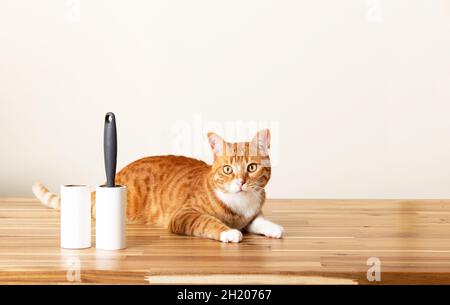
x: 359, y: 98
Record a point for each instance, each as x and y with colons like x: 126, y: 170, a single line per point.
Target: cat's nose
x: 240, y: 183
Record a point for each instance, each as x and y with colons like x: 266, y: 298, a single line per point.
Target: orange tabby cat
x: 190, y: 197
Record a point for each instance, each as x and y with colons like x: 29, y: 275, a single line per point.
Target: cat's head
x: 241, y: 167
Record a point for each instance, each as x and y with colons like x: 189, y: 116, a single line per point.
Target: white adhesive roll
x: 75, y: 217
x: 110, y: 217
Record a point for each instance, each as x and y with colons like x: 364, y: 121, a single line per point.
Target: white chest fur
x: 246, y: 204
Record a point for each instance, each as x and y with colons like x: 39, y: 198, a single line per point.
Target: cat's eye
x: 251, y: 168
x: 227, y: 170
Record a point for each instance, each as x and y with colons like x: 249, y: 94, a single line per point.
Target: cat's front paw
x: 232, y: 235
x: 273, y: 230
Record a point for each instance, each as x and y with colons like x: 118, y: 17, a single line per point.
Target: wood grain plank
x: 327, y: 241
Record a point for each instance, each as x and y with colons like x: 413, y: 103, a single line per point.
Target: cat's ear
x: 217, y: 143
x: 260, y: 145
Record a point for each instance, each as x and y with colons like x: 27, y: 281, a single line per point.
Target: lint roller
x: 110, y: 198
x: 75, y: 216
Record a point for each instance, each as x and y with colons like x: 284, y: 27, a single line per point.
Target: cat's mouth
x: 234, y: 191
x: 236, y: 188
x: 242, y: 189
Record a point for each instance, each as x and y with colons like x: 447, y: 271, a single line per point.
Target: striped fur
x: 45, y: 196
x: 190, y: 197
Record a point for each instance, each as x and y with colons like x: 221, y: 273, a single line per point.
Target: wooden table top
x: 326, y: 241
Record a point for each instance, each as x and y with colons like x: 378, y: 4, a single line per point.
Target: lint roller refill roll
x: 110, y: 199
x: 110, y: 217
x: 75, y: 217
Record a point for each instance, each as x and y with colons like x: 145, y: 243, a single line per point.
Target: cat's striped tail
x: 46, y: 197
